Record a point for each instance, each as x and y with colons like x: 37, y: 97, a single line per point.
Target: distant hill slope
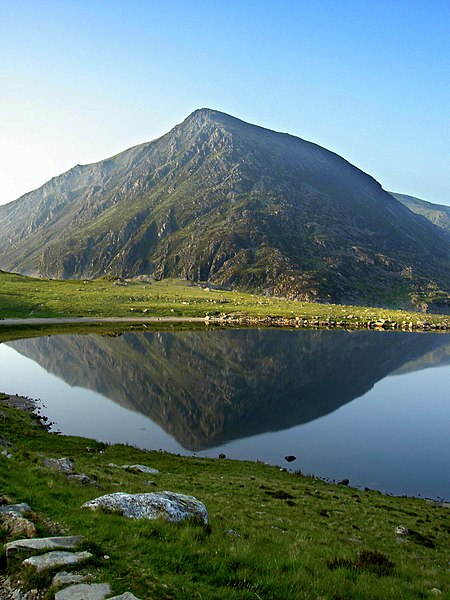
x: 438, y: 214
x: 221, y: 200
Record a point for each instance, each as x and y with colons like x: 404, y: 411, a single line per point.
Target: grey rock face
x: 15, y: 508
x: 43, y: 562
x: 169, y: 506
x: 62, y: 465
x: 84, y: 591
x: 36, y: 544
x: 65, y: 578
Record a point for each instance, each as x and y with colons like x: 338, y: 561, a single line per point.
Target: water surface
x: 373, y: 407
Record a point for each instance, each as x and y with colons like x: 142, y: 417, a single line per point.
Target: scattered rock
x: 6, y: 453
x: 435, y: 591
x: 4, y: 442
x: 84, y: 591
x: 65, y: 578
x: 15, y: 508
x: 279, y: 495
x: 169, y: 506
x: 17, y: 525
x: 344, y: 482
x: 290, y: 458
x: 83, y: 479
x: 141, y: 469
x: 62, y: 465
x: 150, y: 483
x: 43, y: 562
x: 48, y: 543
x: 415, y: 536
x: 232, y: 532
x: 221, y: 455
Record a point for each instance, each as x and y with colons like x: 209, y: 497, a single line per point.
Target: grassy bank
x: 273, y: 534
x: 24, y: 297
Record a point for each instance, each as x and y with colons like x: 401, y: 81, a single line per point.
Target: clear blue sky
x: 369, y: 79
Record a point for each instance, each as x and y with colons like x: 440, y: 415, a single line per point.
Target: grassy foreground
x: 25, y: 297
x: 273, y: 535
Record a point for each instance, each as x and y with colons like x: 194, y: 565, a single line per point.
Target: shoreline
x: 242, y: 320
x: 31, y: 406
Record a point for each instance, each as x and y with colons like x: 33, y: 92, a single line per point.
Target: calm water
x: 369, y: 406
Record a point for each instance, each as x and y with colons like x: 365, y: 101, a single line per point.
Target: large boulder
x: 168, y: 506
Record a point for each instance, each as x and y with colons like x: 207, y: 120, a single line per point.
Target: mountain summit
x: 217, y: 199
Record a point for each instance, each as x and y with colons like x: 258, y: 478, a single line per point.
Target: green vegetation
x: 273, y: 534
x: 25, y: 297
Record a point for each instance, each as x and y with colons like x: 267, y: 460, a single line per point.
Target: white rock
x: 55, y: 559
x: 126, y: 596
x: 84, y: 591
x: 168, y: 506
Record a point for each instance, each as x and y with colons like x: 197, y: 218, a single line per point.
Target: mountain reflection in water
x: 207, y: 388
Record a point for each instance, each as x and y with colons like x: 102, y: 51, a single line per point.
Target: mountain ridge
x: 217, y: 199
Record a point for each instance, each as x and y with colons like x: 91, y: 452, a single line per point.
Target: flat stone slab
x: 168, y: 506
x: 65, y: 578
x: 17, y: 508
x: 136, y: 468
x: 84, y: 591
x: 36, y: 544
x: 43, y: 562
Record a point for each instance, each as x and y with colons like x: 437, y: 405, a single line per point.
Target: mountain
x: 438, y: 214
x: 238, y: 205
x: 205, y: 388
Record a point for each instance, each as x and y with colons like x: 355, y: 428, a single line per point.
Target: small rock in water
x: 290, y: 458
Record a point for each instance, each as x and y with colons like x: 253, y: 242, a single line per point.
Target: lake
x: 373, y: 407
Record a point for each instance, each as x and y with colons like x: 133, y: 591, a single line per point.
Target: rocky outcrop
x: 168, y: 506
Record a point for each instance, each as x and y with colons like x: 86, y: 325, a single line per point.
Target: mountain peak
x: 218, y: 199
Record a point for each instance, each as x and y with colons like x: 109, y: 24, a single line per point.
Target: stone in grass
x: 84, y: 591
x: 141, y: 469
x: 62, y: 465
x: 18, y: 525
x: 51, y: 560
x: 168, y: 506
x: 48, y: 543
x: 15, y: 508
x: 126, y: 596
x: 65, y: 578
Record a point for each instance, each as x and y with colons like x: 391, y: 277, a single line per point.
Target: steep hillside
x: 438, y: 214
x: 221, y: 200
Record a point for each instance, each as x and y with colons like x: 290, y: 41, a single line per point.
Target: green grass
x: 298, y: 537
x: 24, y: 297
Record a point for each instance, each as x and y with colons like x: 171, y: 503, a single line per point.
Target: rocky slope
x: 438, y: 214
x: 221, y: 200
